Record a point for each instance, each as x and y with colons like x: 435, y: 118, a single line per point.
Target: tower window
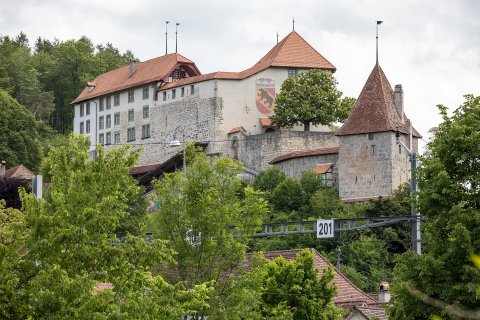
x: 370, y: 136
x: 192, y: 89
x: 399, y: 149
x: 373, y: 149
x: 292, y: 72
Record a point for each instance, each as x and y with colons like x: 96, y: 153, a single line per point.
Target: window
x: 173, y: 94
x: 145, y: 131
x: 100, y: 139
x: 130, y: 134
x: 109, y: 121
x: 81, y: 127
x: 116, y: 119
x: 192, y: 89
x: 145, y: 93
x: 88, y: 108
x: 370, y: 136
x: 156, y: 96
x: 109, y: 138
x: 109, y: 103
x: 146, y: 112
x: 131, y: 115
x: 81, y: 110
x: 292, y: 73
x: 176, y: 74
x: 102, y: 106
x: 130, y: 96
x: 399, y: 149
x: 116, y: 100
x: 100, y: 123
x: 373, y: 149
x: 165, y: 96
x: 88, y: 126
x: 117, y: 136
x: 182, y: 92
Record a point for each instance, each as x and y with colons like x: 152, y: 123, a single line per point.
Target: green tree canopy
x: 449, y: 181
x: 295, y: 284
x: 18, y: 135
x: 310, y: 98
x: 55, y: 252
x: 196, y: 217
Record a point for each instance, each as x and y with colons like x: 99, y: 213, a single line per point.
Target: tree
x: 18, y: 135
x: 448, y: 181
x: 9, y: 188
x: 295, y: 284
x: 196, y: 216
x: 55, y: 252
x: 311, y: 98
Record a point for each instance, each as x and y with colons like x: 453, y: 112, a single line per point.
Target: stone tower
x: 371, y: 163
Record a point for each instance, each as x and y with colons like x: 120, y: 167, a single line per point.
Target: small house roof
x: 19, y: 171
x: 322, y: 168
x: 304, y: 153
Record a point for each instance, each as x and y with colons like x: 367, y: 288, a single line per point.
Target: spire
x: 166, y: 28
x: 293, y: 23
x: 378, y: 22
x: 375, y: 109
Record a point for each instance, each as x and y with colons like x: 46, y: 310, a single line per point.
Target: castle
x: 227, y: 112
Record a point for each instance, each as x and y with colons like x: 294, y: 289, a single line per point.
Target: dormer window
x: 177, y: 75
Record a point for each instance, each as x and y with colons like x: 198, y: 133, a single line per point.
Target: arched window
x: 234, y: 146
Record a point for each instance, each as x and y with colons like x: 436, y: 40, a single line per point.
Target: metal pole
x: 166, y: 37
x: 184, y: 160
x: 416, y: 236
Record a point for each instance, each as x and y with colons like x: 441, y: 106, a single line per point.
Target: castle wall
x: 295, y: 166
x: 256, y: 151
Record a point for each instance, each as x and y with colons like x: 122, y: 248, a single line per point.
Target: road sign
x: 325, y: 228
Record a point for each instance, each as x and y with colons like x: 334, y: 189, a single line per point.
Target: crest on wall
x: 265, y: 95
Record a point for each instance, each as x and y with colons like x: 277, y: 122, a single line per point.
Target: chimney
x: 398, y: 98
x: 384, y: 294
x: 133, y: 66
x: 3, y: 166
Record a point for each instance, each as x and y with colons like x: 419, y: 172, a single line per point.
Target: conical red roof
x: 375, y: 109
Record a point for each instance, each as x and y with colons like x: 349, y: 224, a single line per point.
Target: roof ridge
x: 312, y: 47
x: 380, y: 73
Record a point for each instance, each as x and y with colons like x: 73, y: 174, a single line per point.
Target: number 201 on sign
x: 324, y: 228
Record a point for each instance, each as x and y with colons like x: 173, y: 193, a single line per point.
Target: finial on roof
x: 277, y: 36
x: 176, y: 25
x: 166, y: 28
x: 293, y: 23
x: 378, y: 22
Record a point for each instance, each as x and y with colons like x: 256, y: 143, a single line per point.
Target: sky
x: 432, y: 47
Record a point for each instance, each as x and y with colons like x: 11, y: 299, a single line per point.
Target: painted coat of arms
x: 265, y: 95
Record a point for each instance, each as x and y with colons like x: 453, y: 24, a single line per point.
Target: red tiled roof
x: 366, y: 199
x: 322, y: 168
x: 375, y: 109
x: 371, y: 312
x: 143, y: 169
x: 266, y: 122
x: 292, y: 51
x: 19, y: 171
x: 348, y: 293
x: 237, y: 129
x: 149, y: 71
x: 305, y: 153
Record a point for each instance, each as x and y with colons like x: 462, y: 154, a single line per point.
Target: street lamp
x: 176, y: 143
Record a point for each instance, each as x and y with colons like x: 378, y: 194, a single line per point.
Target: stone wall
x: 197, y: 115
x: 295, y: 166
x: 256, y: 151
